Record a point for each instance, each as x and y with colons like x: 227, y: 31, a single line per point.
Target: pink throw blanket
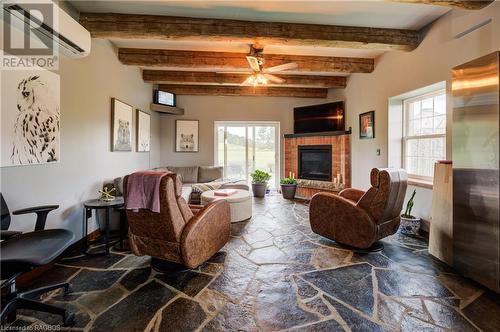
x: 143, y: 190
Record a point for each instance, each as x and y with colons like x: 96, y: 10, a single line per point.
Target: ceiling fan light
x: 261, y: 79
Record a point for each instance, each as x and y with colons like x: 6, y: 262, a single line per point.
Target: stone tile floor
x: 274, y: 274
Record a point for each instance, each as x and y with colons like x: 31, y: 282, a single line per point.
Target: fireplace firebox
x: 315, y: 162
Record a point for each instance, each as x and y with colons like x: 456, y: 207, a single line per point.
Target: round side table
x: 96, y: 204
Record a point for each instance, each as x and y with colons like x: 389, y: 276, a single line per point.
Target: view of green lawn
x: 260, y: 144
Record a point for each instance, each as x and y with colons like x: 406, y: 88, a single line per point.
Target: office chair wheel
x: 69, y: 318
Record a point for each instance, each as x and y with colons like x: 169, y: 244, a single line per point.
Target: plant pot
x: 288, y: 190
x: 410, y: 226
x: 259, y: 189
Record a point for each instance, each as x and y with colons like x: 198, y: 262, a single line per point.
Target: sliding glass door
x: 242, y: 147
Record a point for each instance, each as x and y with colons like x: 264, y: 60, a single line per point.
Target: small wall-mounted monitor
x: 164, y: 98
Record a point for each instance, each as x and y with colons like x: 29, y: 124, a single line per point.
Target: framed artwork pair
x: 121, y: 127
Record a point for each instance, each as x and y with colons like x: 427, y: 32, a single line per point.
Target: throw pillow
x: 210, y: 173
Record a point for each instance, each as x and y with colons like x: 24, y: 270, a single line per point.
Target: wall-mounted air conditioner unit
x: 72, y: 39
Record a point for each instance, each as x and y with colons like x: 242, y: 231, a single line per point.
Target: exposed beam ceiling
x: 129, y: 26
x: 213, y: 90
x: 452, y: 3
x: 206, y: 78
x: 224, y: 61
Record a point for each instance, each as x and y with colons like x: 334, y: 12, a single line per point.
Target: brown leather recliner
x: 357, y: 218
x: 180, y: 233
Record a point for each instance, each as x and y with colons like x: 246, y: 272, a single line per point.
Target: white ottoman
x: 240, y: 203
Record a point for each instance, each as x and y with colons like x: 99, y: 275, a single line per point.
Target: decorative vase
x: 410, y: 226
x: 259, y: 189
x: 288, y: 190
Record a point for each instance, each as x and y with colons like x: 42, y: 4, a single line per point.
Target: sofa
x: 195, y: 180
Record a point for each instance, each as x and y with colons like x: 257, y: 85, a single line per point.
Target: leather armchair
x: 357, y: 218
x: 180, y: 233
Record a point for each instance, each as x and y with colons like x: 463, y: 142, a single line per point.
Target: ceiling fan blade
x: 253, y: 62
x: 248, y: 81
x: 274, y: 79
x: 283, y: 67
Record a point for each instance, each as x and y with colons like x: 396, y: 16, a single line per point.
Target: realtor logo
x: 27, y: 35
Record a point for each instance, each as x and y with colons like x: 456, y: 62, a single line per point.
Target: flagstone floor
x: 274, y: 274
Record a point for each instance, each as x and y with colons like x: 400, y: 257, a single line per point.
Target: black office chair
x: 23, y: 252
x: 41, y: 217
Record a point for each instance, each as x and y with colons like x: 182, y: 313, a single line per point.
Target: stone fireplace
x: 318, y: 161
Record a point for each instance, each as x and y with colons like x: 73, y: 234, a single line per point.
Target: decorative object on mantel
x: 289, y: 186
x: 410, y: 225
x: 186, y: 135
x: 143, y: 131
x: 121, y: 130
x: 259, y: 182
x: 337, y: 182
x: 441, y: 226
x: 106, y: 194
x: 367, y: 125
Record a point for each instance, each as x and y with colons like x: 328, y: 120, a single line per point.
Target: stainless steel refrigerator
x: 475, y: 88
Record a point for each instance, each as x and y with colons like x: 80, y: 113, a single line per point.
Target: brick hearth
x: 341, y: 158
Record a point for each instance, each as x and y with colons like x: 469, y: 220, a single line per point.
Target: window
x: 243, y: 146
x: 424, y: 134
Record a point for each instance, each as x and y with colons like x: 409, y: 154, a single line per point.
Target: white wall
x: 399, y: 72
x: 87, y: 86
x: 208, y: 109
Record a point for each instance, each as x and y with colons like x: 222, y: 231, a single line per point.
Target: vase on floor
x: 259, y: 189
x: 259, y: 182
x: 288, y: 191
x: 410, y: 226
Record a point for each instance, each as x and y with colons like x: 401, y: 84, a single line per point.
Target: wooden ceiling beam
x: 226, y: 61
x: 207, y: 78
x: 473, y: 5
x: 129, y: 26
x: 217, y: 90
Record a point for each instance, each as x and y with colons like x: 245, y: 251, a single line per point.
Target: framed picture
x: 143, y: 131
x: 121, y: 121
x: 186, y: 135
x: 30, y: 117
x: 367, y: 125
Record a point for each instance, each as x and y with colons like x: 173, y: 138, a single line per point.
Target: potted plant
x: 289, y: 186
x: 410, y: 225
x: 259, y: 182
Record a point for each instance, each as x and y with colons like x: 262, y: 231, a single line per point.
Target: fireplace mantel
x: 341, y: 161
x: 327, y: 133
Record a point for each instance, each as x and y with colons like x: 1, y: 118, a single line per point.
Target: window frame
x: 406, y: 138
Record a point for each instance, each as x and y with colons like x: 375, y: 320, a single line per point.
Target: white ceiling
x: 382, y: 14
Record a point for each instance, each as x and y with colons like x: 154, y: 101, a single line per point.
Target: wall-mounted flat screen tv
x: 319, y: 118
x: 164, y: 98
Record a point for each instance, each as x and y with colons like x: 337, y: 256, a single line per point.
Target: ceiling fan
x: 262, y: 75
